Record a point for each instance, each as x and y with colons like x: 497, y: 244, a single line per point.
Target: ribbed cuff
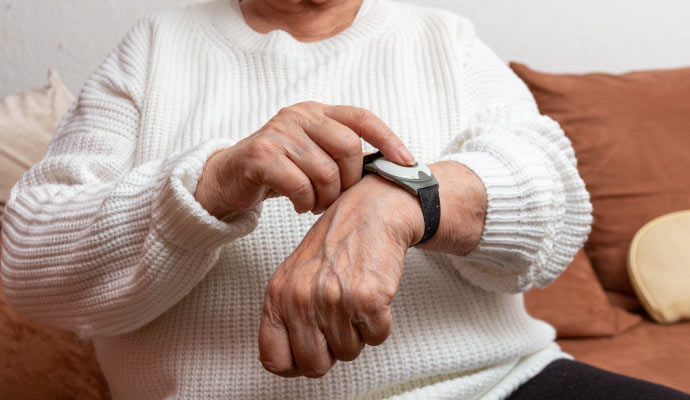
x: 513, y: 227
x: 181, y: 220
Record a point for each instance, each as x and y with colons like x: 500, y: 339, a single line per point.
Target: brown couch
x: 630, y: 133
x: 592, y: 305
x: 648, y: 351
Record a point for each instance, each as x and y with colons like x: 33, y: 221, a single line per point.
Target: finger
x: 370, y: 128
x: 275, y: 352
x: 375, y: 327
x: 270, y: 194
x: 309, y: 347
x: 318, y: 166
x: 341, y: 143
x: 343, y: 338
x: 286, y: 178
x: 334, y: 320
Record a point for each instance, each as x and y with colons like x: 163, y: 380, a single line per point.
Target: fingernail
x: 406, y: 155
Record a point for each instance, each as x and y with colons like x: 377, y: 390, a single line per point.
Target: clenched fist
x: 333, y: 294
x: 308, y: 152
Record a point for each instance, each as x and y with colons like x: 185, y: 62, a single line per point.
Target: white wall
x: 554, y: 35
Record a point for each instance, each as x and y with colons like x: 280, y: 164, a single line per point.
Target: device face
x: 407, y: 173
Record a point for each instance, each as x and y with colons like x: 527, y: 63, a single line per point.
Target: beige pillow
x: 659, y: 267
x: 38, y: 361
x: 27, y: 123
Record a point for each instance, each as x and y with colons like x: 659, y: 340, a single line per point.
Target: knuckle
x: 271, y: 314
x: 273, y: 290
x: 369, y: 304
x: 389, y: 136
x: 259, y: 148
x: 270, y: 366
x: 317, y: 370
x: 311, y: 116
x: 379, y: 335
x: 273, y: 368
x: 332, y: 294
x: 348, y: 354
x: 386, y: 292
x: 363, y: 115
x: 285, y: 111
x: 275, y: 126
x: 294, y: 113
x: 316, y: 119
x: 300, y: 208
x: 302, y: 188
x: 379, y: 328
x: 301, y: 297
x: 351, y: 145
x: 329, y: 173
x: 309, y: 104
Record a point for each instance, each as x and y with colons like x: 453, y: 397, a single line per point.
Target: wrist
x: 208, y: 187
x: 463, y: 209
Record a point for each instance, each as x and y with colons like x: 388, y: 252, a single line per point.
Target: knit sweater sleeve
x: 539, y: 213
x: 96, y: 243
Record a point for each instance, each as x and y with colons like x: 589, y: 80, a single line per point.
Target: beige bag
x: 659, y: 267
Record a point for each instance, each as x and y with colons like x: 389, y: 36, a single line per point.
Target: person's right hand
x: 309, y: 152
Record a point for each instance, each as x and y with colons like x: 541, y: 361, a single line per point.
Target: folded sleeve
x: 538, y: 210
x: 95, y: 242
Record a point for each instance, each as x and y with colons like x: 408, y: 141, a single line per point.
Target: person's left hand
x: 333, y: 294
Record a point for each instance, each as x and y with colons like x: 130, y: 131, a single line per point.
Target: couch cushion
x: 41, y: 362
x: 27, y: 123
x: 649, y: 351
x: 631, y: 135
x: 576, y: 304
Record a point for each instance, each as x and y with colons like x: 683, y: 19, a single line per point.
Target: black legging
x: 571, y: 380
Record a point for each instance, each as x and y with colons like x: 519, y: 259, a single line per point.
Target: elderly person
x: 202, y: 215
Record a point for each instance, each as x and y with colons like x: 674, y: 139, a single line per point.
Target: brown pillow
x: 631, y: 135
x: 27, y: 123
x: 576, y: 304
x: 41, y: 362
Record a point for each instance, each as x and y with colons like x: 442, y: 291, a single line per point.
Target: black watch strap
x: 369, y: 158
x: 429, y: 199
x: 431, y: 210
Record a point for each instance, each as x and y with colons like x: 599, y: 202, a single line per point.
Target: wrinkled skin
x: 333, y: 294
x: 308, y: 152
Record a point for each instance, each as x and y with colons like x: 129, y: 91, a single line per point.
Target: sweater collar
x: 226, y: 18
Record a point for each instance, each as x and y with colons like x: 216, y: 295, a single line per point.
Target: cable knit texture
x: 104, y: 236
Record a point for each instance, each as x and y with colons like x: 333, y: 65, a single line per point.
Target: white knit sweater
x: 104, y: 236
